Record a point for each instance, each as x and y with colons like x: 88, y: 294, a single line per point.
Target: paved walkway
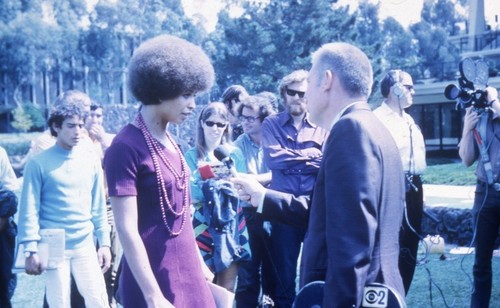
x: 450, y: 196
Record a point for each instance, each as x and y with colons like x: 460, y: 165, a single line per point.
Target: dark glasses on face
x: 218, y: 124
x: 292, y: 93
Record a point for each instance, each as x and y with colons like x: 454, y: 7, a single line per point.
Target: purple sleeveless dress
x: 174, y: 259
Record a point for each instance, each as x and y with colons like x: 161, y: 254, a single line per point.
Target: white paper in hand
x: 50, y: 250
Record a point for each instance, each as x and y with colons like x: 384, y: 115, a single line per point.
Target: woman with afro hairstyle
x: 148, y: 179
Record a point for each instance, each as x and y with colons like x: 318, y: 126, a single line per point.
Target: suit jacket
x: 286, y: 208
x: 356, y: 211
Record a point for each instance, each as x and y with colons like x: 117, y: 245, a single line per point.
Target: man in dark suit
x: 358, y: 199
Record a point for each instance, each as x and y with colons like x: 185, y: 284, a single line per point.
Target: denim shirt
x: 294, y: 156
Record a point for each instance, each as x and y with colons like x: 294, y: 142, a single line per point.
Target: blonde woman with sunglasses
x: 222, y: 239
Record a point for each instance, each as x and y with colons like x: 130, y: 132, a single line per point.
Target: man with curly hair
x: 63, y: 188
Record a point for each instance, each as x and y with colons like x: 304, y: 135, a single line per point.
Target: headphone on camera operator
x: 394, y: 89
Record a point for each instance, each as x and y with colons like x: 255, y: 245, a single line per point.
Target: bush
x: 28, y: 118
x: 22, y: 120
x: 37, y: 116
x: 117, y: 115
x: 17, y: 144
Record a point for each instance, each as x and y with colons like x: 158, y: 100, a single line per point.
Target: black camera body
x: 471, y: 84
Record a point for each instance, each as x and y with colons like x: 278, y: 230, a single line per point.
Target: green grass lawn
x: 450, y: 174
x: 451, y: 277
x: 29, y: 291
x: 448, y: 283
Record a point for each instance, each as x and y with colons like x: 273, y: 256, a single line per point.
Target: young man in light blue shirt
x: 259, y: 271
x: 63, y: 189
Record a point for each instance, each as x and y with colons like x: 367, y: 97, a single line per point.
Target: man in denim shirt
x: 292, y: 150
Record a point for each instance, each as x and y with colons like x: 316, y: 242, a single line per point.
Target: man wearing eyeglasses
x: 258, y: 273
x: 292, y: 150
x: 397, y: 89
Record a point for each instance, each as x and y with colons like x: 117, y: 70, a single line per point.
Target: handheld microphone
x: 222, y: 153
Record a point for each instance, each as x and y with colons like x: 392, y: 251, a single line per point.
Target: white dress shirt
x: 408, y: 138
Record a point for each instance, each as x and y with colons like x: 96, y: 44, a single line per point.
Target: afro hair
x: 166, y: 67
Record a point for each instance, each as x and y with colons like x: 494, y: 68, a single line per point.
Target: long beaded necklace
x: 181, y: 179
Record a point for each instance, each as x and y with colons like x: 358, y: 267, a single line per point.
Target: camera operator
x: 482, y: 132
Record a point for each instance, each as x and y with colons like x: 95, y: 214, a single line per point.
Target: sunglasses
x: 218, y: 124
x: 292, y: 93
x: 245, y: 118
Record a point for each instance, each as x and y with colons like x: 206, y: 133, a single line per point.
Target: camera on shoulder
x: 471, y: 87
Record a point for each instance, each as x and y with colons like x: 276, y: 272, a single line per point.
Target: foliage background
x: 66, y: 43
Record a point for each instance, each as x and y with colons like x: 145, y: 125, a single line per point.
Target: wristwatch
x: 28, y: 254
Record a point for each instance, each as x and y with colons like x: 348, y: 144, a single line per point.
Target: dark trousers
x: 8, y: 280
x: 409, y: 235
x: 487, y: 223
x: 286, y: 242
x: 258, y: 271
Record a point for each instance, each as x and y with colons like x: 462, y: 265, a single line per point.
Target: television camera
x: 471, y: 84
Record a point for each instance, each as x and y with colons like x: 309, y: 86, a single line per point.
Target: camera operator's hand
x: 470, y: 119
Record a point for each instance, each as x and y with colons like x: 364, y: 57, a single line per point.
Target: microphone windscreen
x: 221, y: 152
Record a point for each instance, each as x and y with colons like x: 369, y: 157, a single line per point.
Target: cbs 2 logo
x: 375, y: 297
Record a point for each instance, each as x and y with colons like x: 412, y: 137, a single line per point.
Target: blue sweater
x: 63, y: 189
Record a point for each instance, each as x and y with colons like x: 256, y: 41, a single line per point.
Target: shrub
x: 28, y: 117
x: 37, y: 116
x: 116, y: 116
x: 17, y: 144
x: 22, y: 120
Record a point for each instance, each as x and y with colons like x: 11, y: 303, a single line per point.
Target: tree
x: 400, y: 48
x: 269, y: 40
x: 438, y: 57
x: 117, y: 28
x: 443, y: 14
x: 28, y: 43
x: 10, y: 9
